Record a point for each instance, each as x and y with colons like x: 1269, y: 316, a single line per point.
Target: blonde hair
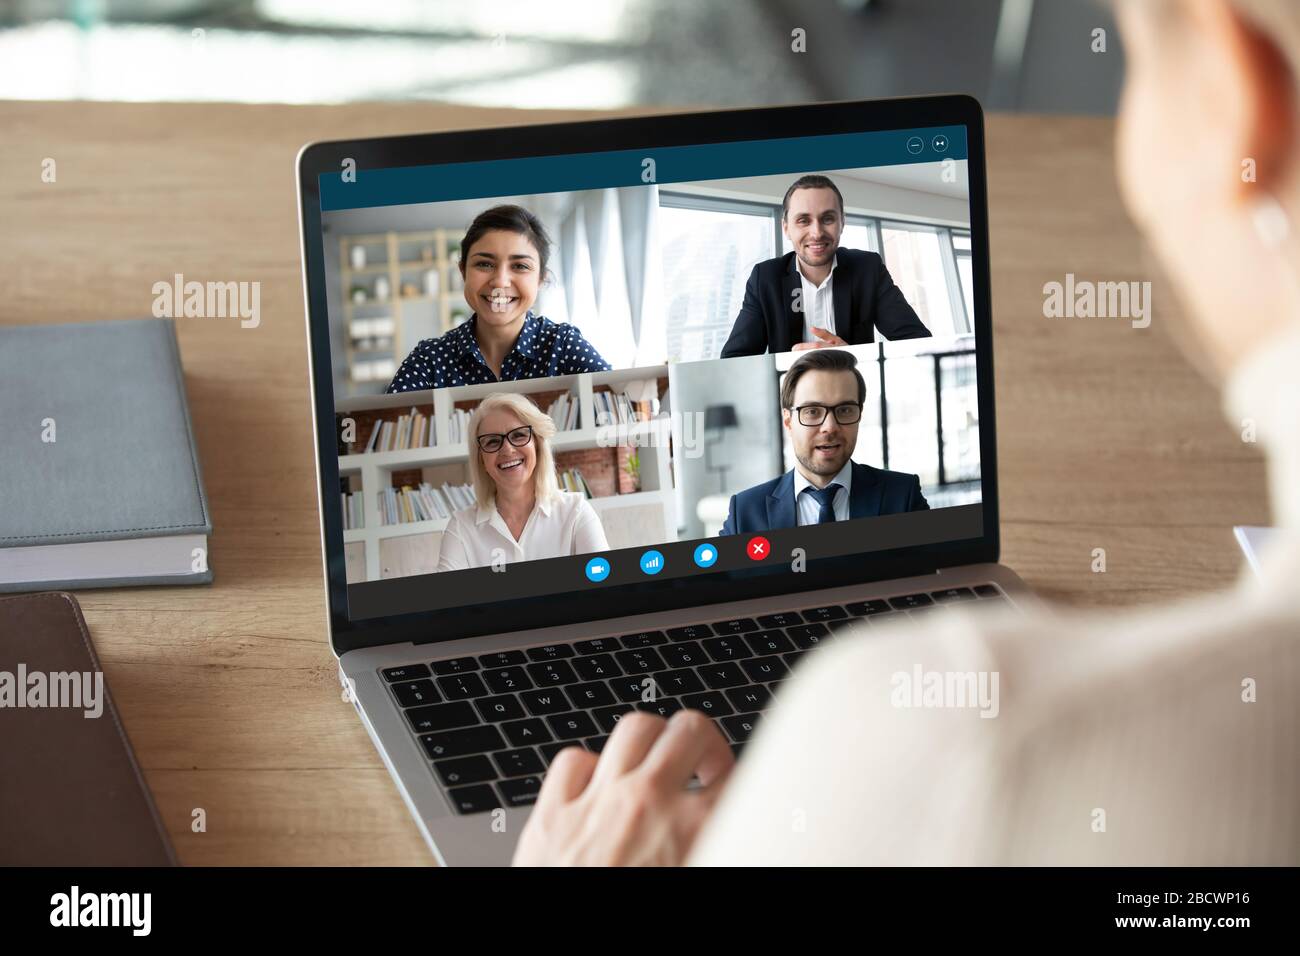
x: 485, y: 489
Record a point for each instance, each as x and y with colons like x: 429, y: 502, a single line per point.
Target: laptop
x: 754, y: 353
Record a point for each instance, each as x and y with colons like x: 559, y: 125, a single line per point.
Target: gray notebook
x: 99, y: 476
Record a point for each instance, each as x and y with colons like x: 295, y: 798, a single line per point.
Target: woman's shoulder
x: 572, y: 503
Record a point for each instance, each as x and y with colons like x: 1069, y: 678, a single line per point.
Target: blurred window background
x: 1032, y: 55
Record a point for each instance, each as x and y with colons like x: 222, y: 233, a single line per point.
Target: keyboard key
x: 987, y: 590
x: 681, y: 681
x: 549, y: 751
x: 601, y: 645
x: 664, y: 707
x: 461, y: 743
x: 413, y: 693
x: 775, y: 684
x: 691, y: 632
x: 504, y: 707
x: 635, y: 662
x: 597, y: 667
x: 792, y: 658
x: 596, y: 744
x: 953, y: 594
x: 882, y: 620
x: 405, y: 672
x: 517, y: 763
x: 644, y: 639
x: 866, y: 608
x: 686, y: 654
x: 462, y: 770
x: 550, y: 652
x: 541, y: 702
x: 736, y: 625
x: 634, y: 687
x: 768, y: 642
x: 507, y: 680
x: 477, y: 799
x: 530, y: 730
x: 808, y: 635
x: 457, y: 665
x: 592, y: 694
x: 441, y: 717
x: 830, y: 612
x: 748, y: 699
x: 907, y: 601
x: 607, y: 717
x: 462, y: 686
x: 784, y: 619
x: 710, y: 702
x: 720, y: 676
x: 741, y: 726
x: 521, y: 791
x: 727, y: 648
x: 763, y: 669
x: 572, y: 725
x: 847, y: 624
x: 502, y: 659
x: 552, y: 673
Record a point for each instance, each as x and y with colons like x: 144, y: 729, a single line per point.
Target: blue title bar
x: 638, y: 167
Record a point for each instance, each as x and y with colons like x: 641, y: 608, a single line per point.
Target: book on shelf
x: 564, y: 412
x: 622, y: 408
x: 571, y: 479
x: 425, y: 503
x: 353, y: 510
x: 409, y: 431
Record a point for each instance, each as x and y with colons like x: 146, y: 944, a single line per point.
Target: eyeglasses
x: 516, y: 436
x: 813, y: 415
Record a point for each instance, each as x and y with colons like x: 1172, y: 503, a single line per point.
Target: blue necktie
x: 826, y: 500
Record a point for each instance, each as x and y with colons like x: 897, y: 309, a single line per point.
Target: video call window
x: 641, y: 335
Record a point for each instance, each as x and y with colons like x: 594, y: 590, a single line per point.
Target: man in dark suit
x: 821, y: 405
x: 819, y: 295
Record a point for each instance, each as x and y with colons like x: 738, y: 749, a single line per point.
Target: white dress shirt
x: 1120, y: 738
x: 818, y: 302
x: 808, y: 508
x: 565, y: 525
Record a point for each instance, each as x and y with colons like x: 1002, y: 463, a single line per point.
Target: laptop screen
x: 564, y: 373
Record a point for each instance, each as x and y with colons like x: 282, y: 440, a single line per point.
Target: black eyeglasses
x: 516, y: 436
x: 812, y: 415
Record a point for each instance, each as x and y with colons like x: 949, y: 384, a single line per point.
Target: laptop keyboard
x: 490, y: 725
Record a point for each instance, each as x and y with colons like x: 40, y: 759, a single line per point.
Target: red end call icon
x: 758, y: 548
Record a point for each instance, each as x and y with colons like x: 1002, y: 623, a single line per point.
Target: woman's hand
x: 629, y: 806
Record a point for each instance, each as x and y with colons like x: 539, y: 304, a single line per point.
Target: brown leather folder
x: 71, y: 793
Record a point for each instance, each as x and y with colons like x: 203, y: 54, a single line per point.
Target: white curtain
x: 609, y: 267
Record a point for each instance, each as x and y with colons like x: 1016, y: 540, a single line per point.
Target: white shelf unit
x: 651, y: 439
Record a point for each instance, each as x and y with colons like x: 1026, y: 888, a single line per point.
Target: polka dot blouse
x: 544, y: 348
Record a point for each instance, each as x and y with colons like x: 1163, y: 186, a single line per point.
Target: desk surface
x: 1107, y: 439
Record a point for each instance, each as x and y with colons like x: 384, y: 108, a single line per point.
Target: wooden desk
x: 1107, y: 438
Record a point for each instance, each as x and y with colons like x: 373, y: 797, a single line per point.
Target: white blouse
x: 563, y: 526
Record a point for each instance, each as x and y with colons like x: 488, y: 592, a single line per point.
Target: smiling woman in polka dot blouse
x: 503, y: 260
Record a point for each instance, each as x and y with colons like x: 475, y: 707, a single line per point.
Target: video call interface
x: 563, y: 373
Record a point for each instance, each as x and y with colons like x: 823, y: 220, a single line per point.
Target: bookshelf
x: 373, y: 325
x: 631, y: 517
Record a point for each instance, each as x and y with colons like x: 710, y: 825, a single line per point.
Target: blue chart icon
x: 652, y: 562
x: 706, y: 555
x: 597, y: 569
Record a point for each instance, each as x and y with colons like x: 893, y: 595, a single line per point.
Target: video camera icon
x: 597, y: 569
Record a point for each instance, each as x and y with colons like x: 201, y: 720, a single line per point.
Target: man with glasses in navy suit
x: 821, y: 405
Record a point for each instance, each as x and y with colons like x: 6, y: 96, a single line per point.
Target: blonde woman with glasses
x: 520, y: 513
